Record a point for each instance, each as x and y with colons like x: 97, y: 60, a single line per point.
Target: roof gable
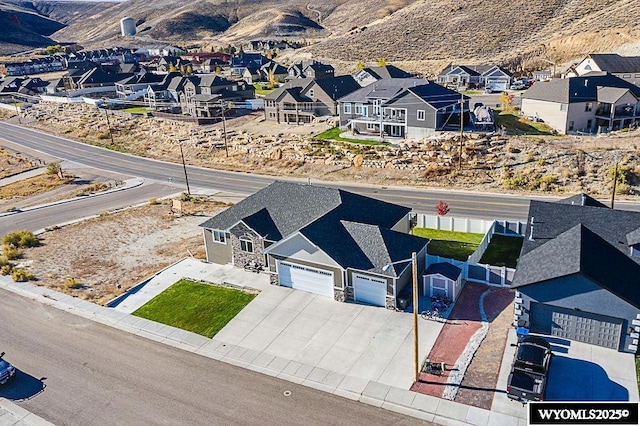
x: 615, y: 63
x: 445, y: 269
x: 336, y: 87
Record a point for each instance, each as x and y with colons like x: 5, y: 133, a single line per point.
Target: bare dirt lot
x: 101, y: 258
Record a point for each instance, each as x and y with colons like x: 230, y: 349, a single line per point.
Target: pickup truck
x: 7, y: 371
x: 528, y: 377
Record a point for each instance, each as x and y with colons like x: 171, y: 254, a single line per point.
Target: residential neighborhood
x: 389, y: 243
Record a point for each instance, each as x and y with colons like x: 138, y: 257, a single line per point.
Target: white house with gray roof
x: 625, y: 67
x: 597, y: 102
x: 322, y: 240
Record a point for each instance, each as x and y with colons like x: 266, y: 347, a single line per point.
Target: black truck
x: 529, y: 371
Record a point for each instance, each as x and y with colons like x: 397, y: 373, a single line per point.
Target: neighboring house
x: 302, y: 100
x: 212, y: 87
x: 369, y: 75
x: 240, y: 62
x: 279, y: 72
x: 407, y: 108
x: 140, y: 83
x: 577, y: 276
x: 96, y: 77
x: 322, y: 240
x: 492, y: 76
x: 541, y: 75
x: 590, y: 104
x: 625, y: 67
x: 251, y: 74
x: 310, y: 69
x: 164, y: 51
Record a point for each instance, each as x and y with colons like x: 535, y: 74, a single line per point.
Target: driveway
x: 328, y: 338
x: 578, y: 372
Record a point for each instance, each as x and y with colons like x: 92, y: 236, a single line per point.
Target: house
x: 302, y: 100
x: 140, y: 83
x: 310, y: 69
x: 279, y: 72
x: 442, y: 280
x: 407, y: 108
x: 369, y: 75
x: 208, y: 85
x: 240, y: 62
x: 624, y: 67
x: 492, y: 76
x: 593, y: 103
x: 577, y: 277
x: 96, y: 77
x: 322, y: 240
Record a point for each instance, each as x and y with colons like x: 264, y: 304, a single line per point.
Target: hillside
x: 518, y: 33
x: 23, y: 28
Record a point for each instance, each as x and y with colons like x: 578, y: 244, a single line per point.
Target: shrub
x: 624, y: 172
x: 21, y: 275
x: 22, y: 239
x: 624, y: 189
x: 4, y: 261
x: 72, y: 283
x: 53, y: 168
x: 153, y: 201
x: 6, y: 269
x: 185, y: 197
x: 11, y: 252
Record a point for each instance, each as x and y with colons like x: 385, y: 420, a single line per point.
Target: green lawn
x: 517, y: 125
x: 450, y: 244
x: 137, y: 110
x: 260, y: 90
x: 502, y: 251
x: 334, y: 134
x: 201, y: 308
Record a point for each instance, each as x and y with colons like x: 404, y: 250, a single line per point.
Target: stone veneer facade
x: 241, y: 258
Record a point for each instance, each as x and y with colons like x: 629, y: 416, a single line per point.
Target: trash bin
x: 405, y: 298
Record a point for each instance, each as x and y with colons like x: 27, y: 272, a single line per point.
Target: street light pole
x: 416, y: 355
x: 414, y: 273
x: 224, y: 128
x: 184, y: 166
x: 106, y: 113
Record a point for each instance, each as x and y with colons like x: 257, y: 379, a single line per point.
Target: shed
x: 442, y: 280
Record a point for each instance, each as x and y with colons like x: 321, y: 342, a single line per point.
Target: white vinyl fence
x: 498, y: 276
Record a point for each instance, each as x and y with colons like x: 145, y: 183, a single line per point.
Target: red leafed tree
x: 442, y: 208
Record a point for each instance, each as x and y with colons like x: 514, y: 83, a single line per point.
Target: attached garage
x: 576, y: 325
x: 305, y: 278
x: 369, y: 290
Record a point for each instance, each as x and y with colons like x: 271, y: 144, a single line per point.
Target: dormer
x: 633, y: 240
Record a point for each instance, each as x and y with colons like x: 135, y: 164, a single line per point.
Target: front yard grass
x: 517, y: 125
x: 450, y: 244
x: 334, y: 134
x: 137, y: 110
x: 503, y: 251
x: 260, y: 91
x: 201, y: 308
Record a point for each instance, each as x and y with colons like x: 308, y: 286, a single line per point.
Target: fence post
x: 503, y: 276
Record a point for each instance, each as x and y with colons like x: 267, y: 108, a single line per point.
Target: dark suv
x: 7, y: 371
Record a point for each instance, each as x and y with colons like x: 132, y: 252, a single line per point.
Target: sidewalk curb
x: 22, y: 416
x: 359, y: 389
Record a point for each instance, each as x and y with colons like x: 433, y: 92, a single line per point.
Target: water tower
x: 128, y: 26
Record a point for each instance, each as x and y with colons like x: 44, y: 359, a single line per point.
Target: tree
x: 272, y: 79
x: 382, y: 62
x: 442, y: 208
x: 360, y: 65
x: 189, y: 70
x: 172, y: 67
x: 506, y: 100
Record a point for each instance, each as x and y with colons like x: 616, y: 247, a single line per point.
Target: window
x: 220, y: 237
x: 376, y: 107
x: 588, y: 106
x: 420, y: 115
x: 347, y: 108
x: 246, y: 245
x: 311, y: 93
x: 563, y: 107
x: 371, y: 126
x: 359, y: 109
x: 626, y: 76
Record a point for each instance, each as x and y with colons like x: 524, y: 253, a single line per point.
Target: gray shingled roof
x: 435, y: 95
x: 337, y: 87
x: 385, y: 89
x: 445, y: 269
x: 633, y: 237
x: 387, y: 71
x: 580, y: 250
x: 296, y: 82
x: 615, y: 63
x: 288, y: 207
x: 582, y: 200
x: 577, y: 89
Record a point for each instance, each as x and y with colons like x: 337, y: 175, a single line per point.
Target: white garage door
x: 369, y: 290
x: 305, y: 278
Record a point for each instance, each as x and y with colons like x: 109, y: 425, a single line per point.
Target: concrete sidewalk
x: 352, y: 384
x: 14, y: 415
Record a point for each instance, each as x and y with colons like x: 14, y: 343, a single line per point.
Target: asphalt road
x: 470, y: 204
x: 73, y: 371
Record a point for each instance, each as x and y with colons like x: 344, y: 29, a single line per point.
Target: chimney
x: 531, y: 230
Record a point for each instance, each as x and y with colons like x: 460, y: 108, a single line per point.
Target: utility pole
x: 461, y: 130
x: 615, y: 178
x: 184, y: 167
x: 224, y: 128
x: 15, y: 103
x: 106, y: 113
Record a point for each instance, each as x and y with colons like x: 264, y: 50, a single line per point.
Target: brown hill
x: 518, y: 33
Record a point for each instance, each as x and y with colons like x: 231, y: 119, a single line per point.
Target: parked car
x: 529, y: 370
x: 518, y: 85
x: 7, y: 371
